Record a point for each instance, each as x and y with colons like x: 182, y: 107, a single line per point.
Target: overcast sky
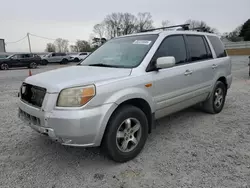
x: 75, y: 19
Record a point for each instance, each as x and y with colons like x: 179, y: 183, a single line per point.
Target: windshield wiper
x: 103, y: 65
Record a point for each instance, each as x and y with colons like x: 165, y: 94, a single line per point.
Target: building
x: 2, y: 45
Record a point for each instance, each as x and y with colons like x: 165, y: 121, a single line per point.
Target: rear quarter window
x: 217, y: 46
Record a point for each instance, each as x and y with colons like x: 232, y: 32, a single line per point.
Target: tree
x: 99, y: 30
x: 234, y: 36
x: 128, y: 24
x: 201, y: 25
x: 73, y: 48
x: 50, y: 47
x: 61, y: 45
x: 117, y: 24
x: 83, y: 46
x: 245, y: 31
x: 113, y: 23
x: 144, y: 22
x: 165, y: 23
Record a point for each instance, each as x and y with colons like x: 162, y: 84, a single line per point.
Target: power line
x: 42, y: 37
x: 16, y: 41
x: 47, y: 38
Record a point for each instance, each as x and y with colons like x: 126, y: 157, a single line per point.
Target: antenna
x: 184, y: 27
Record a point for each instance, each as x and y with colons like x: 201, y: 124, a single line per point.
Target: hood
x: 4, y: 59
x: 56, y: 80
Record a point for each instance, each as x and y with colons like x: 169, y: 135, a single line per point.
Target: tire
x: 76, y: 60
x: 44, y: 62
x: 117, y: 134
x: 64, y: 61
x: 215, y: 103
x: 33, y: 65
x: 4, y: 66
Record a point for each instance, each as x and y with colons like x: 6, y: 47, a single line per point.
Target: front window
x: 125, y: 52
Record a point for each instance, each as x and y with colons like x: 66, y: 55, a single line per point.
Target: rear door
x: 222, y: 63
x: 25, y: 60
x: 201, y: 61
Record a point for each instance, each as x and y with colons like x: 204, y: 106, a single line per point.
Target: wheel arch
x: 223, y: 80
x: 141, y: 103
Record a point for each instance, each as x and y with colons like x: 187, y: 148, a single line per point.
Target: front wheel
x: 126, y: 133
x: 215, y: 102
x: 4, y: 66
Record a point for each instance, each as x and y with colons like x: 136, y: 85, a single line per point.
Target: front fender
x: 131, y: 93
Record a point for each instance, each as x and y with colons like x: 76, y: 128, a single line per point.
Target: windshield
x: 126, y: 52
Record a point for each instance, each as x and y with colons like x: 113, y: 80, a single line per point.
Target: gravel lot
x: 187, y: 149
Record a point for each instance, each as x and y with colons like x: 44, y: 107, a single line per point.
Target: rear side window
x: 218, y: 46
x: 197, y: 48
x: 26, y: 55
x: 173, y: 46
x: 83, y: 54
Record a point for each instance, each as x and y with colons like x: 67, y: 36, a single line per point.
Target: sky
x: 75, y: 19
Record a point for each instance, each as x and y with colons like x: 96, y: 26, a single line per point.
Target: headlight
x: 76, y: 97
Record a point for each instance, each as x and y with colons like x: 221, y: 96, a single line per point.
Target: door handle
x: 214, y: 66
x: 188, y: 72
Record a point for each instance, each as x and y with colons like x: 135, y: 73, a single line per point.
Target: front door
x: 172, y: 86
x: 15, y: 60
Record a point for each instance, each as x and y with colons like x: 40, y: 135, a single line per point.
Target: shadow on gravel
x: 94, y: 156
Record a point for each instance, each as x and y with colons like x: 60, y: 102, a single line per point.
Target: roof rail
x: 184, y: 27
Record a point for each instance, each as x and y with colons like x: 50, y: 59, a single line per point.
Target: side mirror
x: 165, y: 62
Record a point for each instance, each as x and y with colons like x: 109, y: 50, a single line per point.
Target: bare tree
x: 116, y: 24
x: 113, y: 24
x: 202, y: 25
x: 144, y: 21
x: 165, y: 23
x: 99, y: 30
x: 50, y: 47
x: 129, y: 24
x: 83, y: 46
x: 234, y: 36
x: 61, y: 45
x: 73, y: 48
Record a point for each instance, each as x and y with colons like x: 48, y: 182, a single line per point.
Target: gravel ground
x: 187, y: 149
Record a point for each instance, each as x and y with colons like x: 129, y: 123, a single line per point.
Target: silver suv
x: 112, y: 98
x: 54, y: 57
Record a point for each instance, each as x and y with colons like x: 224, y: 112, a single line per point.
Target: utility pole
x: 28, y: 35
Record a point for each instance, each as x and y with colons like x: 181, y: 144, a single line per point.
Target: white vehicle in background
x: 79, y: 56
x: 55, y: 57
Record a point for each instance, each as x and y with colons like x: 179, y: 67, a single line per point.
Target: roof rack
x: 183, y: 26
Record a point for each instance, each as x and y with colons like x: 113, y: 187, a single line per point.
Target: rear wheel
x: 216, y: 101
x: 64, y: 61
x: 4, y: 66
x: 33, y: 65
x: 76, y: 60
x: 126, y: 134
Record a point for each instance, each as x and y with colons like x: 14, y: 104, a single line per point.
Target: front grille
x: 32, y: 119
x: 33, y: 95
